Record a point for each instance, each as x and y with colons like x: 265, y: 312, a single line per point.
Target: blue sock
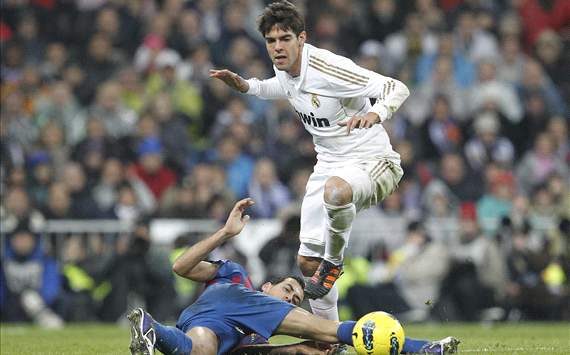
x: 171, y: 340
x: 413, y: 345
x: 344, y: 332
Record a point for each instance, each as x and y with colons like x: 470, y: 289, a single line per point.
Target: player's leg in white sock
x: 339, y: 224
x: 340, y: 214
x: 326, y: 307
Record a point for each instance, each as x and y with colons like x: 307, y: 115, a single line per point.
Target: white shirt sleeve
x: 343, y: 78
x: 266, y: 89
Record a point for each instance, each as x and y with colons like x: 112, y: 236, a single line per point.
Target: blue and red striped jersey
x: 230, y: 272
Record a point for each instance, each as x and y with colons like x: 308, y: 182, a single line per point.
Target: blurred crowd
x: 107, y: 112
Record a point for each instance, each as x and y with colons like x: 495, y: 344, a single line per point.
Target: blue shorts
x: 232, y: 311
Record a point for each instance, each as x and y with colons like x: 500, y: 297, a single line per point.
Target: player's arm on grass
x: 308, y: 347
x: 264, y: 89
x: 191, y: 264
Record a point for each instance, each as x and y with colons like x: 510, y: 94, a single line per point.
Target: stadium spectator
x: 527, y: 292
x: 439, y: 210
x: 19, y: 123
x: 559, y: 190
x: 542, y: 213
x: 18, y: 210
x: 538, y: 16
x: 150, y: 167
x: 40, y: 176
x: 184, y: 95
x: 408, y: 45
x: 136, y: 270
x: 96, y: 146
x: 478, y: 274
x: 558, y: 129
x: 52, y: 141
x: 441, y: 132
x: 58, y: 104
x: 12, y: 63
x: 278, y: 254
x: 490, y: 93
x: 549, y: 51
x: 132, y: 89
x: 56, y: 58
x: 267, y: 190
x: 463, y: 184
x: 180, y: 202
x: 82, y: 202
x: 463, y: 69
x: 119, y: 120
x: 173, y: 132
x: 413, y: 279
x: 488, y: 145
x: 383, y: 17
x: 511, y: 60
x: 536, y: 165
x: 188, y: 35
x: 497, y: 201
x: 30, y: 281
x: 238, y: 166
x: 535, y: 82
x: 104, y: 193
x: 471, y: 40
x: 28, y: 35
x: 235, y: 111
x: 99, y: 63
x: 440, y: 82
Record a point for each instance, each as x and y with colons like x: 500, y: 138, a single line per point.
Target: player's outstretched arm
x: 231, y: 79
x: 191, y: 265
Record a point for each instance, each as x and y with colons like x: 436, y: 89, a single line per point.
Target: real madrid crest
x: 315, y: 101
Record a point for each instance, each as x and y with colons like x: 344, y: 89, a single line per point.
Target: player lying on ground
x: 356, y: 165
x: 230, y: 310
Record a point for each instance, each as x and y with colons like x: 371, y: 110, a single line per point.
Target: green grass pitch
x: 520, y: 339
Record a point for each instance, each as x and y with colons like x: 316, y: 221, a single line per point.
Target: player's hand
x: 231, y: 79
x: 366, y: 121
x: 237, y: 219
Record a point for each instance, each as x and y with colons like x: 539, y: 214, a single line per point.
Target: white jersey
x: 331, y: 89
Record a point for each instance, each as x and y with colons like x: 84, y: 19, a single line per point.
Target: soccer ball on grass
x: 378, y: 333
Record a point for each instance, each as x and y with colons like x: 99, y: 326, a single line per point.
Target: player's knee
x: 308, y: 265
x: 205, y: 341
x: 337, y: 192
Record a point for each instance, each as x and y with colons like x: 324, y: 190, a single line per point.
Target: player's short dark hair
x: 276, y: 280
x: 282, y: 14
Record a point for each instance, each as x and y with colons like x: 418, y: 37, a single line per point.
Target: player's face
x: 284, y: 49
x: 287, y: 290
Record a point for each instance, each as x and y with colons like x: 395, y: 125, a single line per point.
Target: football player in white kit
x: 356, y: 165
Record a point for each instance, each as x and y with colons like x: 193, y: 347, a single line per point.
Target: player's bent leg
x: 338, y: 192
x: 143, y: 335
x: 340, y: 213
x: 327, y: 306
x: 205, y: 341
x: 147, y: 334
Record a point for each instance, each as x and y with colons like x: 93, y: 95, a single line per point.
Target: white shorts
x: 371, y: 181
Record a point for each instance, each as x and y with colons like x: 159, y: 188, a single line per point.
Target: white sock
x: 326, y: 307
x: 339, y: 224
